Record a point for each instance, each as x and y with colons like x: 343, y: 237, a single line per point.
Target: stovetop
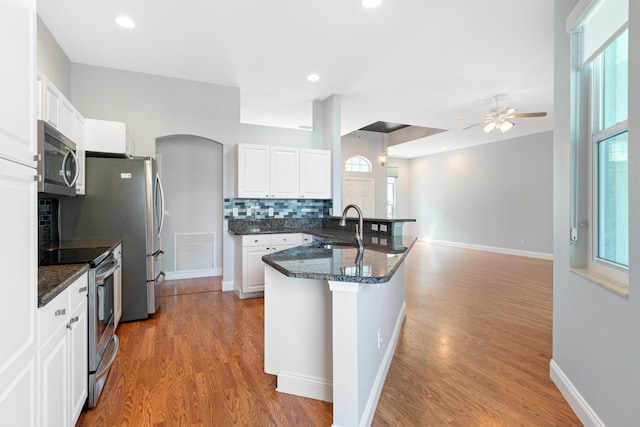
x: 93, y: 256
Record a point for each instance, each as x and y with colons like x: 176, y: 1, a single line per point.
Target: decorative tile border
x: 282, y: 208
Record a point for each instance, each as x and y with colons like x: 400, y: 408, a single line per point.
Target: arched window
x: 357, y: 164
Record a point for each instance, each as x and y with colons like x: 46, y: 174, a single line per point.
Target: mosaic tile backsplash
x: 282, y: 208
x: 46, y: 217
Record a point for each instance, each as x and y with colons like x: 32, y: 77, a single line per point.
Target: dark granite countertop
x: 53, y: 279
x: 375, y: 264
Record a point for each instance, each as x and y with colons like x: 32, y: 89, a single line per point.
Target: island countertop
x: 330, y: 259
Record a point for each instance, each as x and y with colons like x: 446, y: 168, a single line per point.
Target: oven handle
x: 116, y: 345
x: 111, y: 269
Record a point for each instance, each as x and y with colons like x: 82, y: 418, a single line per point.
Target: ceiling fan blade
x: 507, y: 111
x: 521, y: 115
x: 476, y: 124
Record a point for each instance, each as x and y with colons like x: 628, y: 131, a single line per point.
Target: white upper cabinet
x: 52, y: 104
x: 265, y: 171
x: 285, y: 171
x: 54, y: 108
x: 18, y: 81
x: 315, y: 174
x: 253, y: 171
x: 104, y: 136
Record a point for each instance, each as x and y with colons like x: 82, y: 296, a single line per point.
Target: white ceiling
x: 428, y: 63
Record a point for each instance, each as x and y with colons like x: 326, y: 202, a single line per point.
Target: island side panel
x: 367, y: 319
x: 297, y: 335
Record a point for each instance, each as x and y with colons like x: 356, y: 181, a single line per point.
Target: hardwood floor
x: 474, y: 351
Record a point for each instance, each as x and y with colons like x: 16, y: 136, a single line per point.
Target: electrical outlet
x: 379, y: 338
x: 383, y: 242
x: 374, y: 227
x: 521, y: 242
x: 248, y: 210
x: 374, y: 240
x: 270, y: 211
x: 383, y: 227
x: 235, y: 212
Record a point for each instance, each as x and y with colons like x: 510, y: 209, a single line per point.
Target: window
x: 600, y: 140
x: 357, y: 164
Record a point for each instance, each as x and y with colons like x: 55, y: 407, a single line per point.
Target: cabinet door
x: 253, y: 171
x: 105, y: 136
x: 19, y: 266
x: 53, y: 362
x: 117, y: 287
x: 315, y: 174
x: 285, y: 173
x: 253, y: 268
x: 78, y: 359
x: 67, y: 118
x: 52, y: 104
x: 18, y: 80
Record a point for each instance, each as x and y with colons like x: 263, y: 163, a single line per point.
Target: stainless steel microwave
x: 58, y: 167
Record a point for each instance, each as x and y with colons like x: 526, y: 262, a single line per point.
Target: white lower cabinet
x: 62, y: 356
x: 254, y: 246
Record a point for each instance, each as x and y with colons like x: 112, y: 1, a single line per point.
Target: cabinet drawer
x: 78, y: 292
x: 256, y: 240
x: 52, y: 316
x: 286, y: 239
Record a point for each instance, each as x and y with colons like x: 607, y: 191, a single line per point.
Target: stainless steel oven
x: 103, y: 342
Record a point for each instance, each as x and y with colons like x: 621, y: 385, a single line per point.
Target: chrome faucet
x: 359, y: 228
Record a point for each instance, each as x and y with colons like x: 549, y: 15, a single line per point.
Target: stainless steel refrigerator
x: 123, y: 200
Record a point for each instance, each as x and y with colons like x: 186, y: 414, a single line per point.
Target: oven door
x: 101, y: 318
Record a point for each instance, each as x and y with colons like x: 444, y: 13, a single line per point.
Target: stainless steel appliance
x: 103, y: 342
x: 58, y: 167
x: 123, y: 200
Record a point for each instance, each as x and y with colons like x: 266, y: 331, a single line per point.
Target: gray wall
x: 52, y: 60
x: 596, y: 333
x: 496, y: 195
x: 191, y: 170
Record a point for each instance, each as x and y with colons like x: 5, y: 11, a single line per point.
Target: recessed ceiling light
x: 125, y: 22
x: 313, y: 77
x: 305, y: 127
x: 444, y: 148
x: 371, y: 3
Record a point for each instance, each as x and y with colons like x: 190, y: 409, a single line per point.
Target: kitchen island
x: 333, y: 315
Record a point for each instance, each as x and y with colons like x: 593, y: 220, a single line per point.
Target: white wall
x: 496, y: 195
x: 596, y: 333
x: 403, y: 193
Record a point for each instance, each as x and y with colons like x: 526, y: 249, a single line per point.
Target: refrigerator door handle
x: 161, y: 202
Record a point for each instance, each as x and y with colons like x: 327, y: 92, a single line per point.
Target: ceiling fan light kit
x: 499, y: 118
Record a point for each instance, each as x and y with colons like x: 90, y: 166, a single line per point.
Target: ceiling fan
x: 499, y: 118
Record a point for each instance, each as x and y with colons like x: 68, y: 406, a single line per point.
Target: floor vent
x: 194, y: 251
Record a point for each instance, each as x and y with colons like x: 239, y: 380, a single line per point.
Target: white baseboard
x: 192, y: 274
x: 228, y: 285
x: 496, y: 249
x: 304, y: 385
x: 585, y: 413
x: 376, y: 390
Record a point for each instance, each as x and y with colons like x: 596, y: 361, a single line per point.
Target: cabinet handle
x: 72, y: 320
x: 82, y: 289
x: 60, y: 312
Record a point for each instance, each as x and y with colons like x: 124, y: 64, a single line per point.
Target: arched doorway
x: 191, y: 171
